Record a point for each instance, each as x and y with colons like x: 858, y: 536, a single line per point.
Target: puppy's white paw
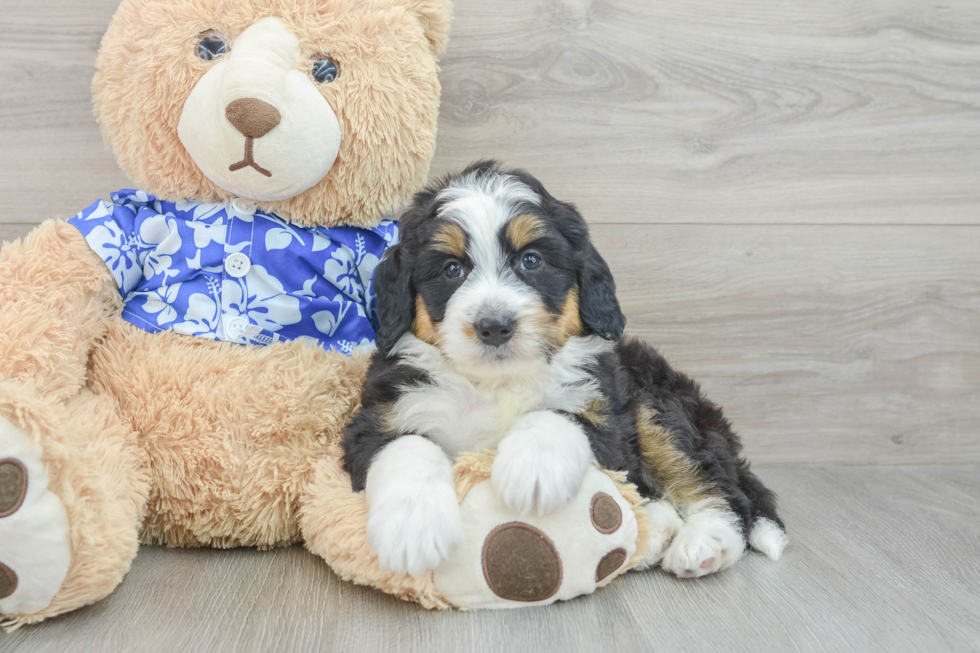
x: 709, y: 541
x: 541, y: 463
x: 413, y: 513
x: 665, y: 523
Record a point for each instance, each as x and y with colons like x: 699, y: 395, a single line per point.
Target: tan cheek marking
x: 569, y: 323
x: 450, y: 239
x: 675, y: 475
x: 422, y: 326
x: 524, y: 229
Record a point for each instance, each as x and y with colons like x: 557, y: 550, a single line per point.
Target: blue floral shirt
x: 230, y: 272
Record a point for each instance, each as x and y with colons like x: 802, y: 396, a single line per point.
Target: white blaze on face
x: 266, y: 64
x: 483, y: 206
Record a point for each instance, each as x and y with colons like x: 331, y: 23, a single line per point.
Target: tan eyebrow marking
x: 524, y: 229
x: 450, y: 239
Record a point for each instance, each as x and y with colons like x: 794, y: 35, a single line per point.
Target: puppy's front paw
x: 412, y: 534
x: 541, y: 463
x: 413, y: 513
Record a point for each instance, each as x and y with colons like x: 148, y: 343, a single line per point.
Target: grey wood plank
x: 852, y: 345
x: 703, y: 111
x: 716, y: 112
x: 881, y: 559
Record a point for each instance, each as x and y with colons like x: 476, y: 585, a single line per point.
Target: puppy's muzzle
x: 495, y: 331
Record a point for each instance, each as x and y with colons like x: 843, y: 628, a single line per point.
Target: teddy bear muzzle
x: 256, y: 124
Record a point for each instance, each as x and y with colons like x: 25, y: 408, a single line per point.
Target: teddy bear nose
x: 252, y: 117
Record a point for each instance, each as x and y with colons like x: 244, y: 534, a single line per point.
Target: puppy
x: 499, y: 328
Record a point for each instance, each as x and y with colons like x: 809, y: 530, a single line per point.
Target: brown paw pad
x: 8, y: 581
x: 606, y: 515
x: 520, y: 563
x: 610, y: 563
x: 13, y: 486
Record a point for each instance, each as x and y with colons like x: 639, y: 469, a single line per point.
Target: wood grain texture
x: 787, y: 192
x: 850, y: 345
x: 701, y: 111
x: 844, y: 344
x: 707, y: 111
x: 881, y: 559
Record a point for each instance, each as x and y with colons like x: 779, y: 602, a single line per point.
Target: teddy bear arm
x: 57, y: 298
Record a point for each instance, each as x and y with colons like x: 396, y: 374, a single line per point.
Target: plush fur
x: 500, y: 329
x: 177, y: 440
x: 386, y: 98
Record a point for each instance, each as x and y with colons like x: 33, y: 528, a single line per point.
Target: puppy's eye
x: 453, y: 270
x: 213, y: 45
x: 324, y: 70
x: 531, y: 261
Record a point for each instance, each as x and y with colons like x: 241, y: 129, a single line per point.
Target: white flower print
x: 266, y: 303
x: 168, y: 259
x: 201, y: 316
x: 160, y: 302
x: 110, y: 242
x: 159, y: 236
x: 282, y: 237
x: 341, y: 270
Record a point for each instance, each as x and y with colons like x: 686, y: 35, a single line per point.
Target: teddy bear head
x: 323, y: 111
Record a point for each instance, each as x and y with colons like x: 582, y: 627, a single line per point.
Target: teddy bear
x: 178, y: 361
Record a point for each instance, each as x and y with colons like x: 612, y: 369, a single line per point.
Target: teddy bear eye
x: 324, y: 70
x: 213, y: 44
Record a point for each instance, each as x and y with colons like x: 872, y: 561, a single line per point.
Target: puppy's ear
x: 396, y: 298
x: 598, y: 306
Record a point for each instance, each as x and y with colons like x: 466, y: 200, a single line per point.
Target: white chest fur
x: 461, y: 413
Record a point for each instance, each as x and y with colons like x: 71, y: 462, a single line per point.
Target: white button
x: 236, y: 327
x: 243, y: 206
x: 237, y: 265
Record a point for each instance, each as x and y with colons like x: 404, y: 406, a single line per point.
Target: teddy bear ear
x: 434, y: 16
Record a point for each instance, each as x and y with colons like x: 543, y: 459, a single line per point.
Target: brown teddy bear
x: 177, y: 365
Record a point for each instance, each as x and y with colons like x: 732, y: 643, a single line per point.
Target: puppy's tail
x: 768, y: 535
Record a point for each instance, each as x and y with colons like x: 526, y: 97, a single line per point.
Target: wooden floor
x: 788, y: 193
x: 881, y: 559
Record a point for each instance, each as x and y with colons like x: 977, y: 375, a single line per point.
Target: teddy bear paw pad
x: 506, y: 561
x: 35, y: 548
x: 520, y: 563
x: 13, y: 486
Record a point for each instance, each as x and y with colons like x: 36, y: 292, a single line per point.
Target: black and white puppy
x: 500, y: 327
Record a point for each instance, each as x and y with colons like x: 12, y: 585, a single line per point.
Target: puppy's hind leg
x: 711, y: 540
x: 711, y: 536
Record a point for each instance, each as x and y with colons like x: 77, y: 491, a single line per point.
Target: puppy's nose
x: 252, y: 117
x: 495, y: 331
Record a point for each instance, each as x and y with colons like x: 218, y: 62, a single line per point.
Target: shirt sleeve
x: 110, y: 231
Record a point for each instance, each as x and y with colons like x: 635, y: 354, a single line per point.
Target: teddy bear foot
x: 709, y: 542
x: 505, y: 560
x: 35, y: 548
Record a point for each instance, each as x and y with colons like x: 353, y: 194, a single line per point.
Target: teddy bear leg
x: 73, y: 486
